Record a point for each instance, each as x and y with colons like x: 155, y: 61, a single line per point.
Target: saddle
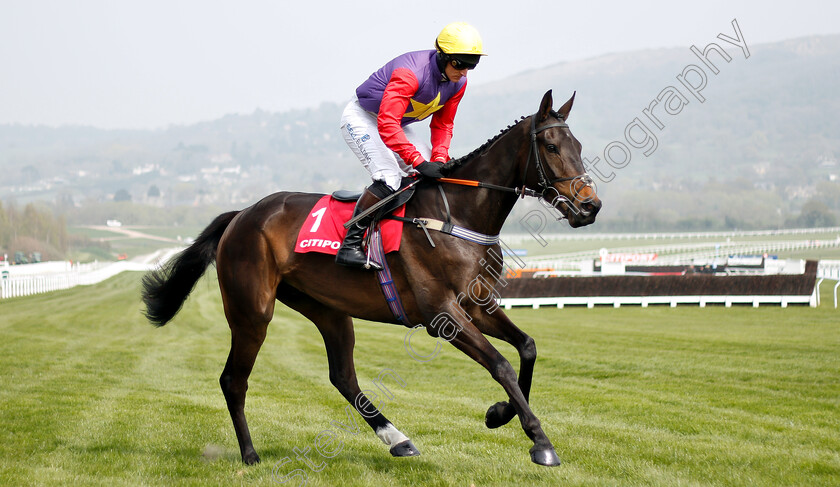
x: 346, y: 196
x: 323, y: 231
x: 400, y: 198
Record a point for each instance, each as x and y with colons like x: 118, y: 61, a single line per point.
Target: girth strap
x: 384, y: 277
x: 386, y: 281
x: 445, y: 203
x: 449, y: 229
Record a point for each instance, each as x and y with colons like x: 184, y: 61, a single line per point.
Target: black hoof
x: 498, y: 415
x: 405, y: 449
x: 547, y: 458
x: 251, y: 458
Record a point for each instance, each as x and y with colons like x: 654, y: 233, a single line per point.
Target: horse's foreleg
x: 498, y: 325
x: 470, y: 341
x: 339, y: 339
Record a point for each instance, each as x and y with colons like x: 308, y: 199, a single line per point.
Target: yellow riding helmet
x: 459, y: 38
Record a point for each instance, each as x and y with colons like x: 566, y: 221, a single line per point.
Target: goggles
x: 459, y: 64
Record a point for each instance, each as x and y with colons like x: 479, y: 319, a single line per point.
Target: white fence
x: 672, y: 301
x: 583, y: 235
x: 827, y: 269
x: 28, y: 279
x: 674, y: 254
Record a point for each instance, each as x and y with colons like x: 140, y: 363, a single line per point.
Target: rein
x: 478, y: 184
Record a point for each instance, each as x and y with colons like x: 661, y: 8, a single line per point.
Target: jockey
x: 376, y: 123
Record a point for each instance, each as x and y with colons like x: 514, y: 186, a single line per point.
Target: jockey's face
x: 454, y: 74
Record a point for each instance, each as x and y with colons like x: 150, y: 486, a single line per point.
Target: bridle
x: 546, y: 183
x: 544, y: 180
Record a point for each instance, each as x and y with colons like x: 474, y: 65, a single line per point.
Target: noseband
x: 546, y: 183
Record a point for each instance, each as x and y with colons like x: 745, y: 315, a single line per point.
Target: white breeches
x: 360, y: 132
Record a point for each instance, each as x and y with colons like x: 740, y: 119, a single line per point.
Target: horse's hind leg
x: 234, y: 382
x: 337, y: 330
x: 248, y: 296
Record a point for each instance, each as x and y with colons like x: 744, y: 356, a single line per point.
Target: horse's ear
x: 567, y: 107
x: 545, y: 107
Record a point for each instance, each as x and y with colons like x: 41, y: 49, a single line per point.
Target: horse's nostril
x: 591, y: 206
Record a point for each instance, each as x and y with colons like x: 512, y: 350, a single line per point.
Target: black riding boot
x: 350, y: 253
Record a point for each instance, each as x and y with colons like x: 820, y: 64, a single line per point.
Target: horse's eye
x: 552, y: 148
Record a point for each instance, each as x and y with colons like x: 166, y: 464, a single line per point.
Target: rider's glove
x: 430, y: 169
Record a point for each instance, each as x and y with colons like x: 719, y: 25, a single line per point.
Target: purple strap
x: 386, y: 282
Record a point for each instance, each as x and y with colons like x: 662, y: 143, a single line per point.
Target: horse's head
x: 559, y: 173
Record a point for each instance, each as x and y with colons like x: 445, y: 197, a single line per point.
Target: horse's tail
x: 166, y: 289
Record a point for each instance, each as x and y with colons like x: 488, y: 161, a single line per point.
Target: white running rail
x: 28, y: 279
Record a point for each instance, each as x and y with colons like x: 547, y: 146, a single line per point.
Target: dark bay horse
x: 256, y: 265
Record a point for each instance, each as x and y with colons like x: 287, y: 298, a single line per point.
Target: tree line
x: 32, y: 230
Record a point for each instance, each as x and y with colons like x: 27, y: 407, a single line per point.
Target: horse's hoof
x: 405, y: 449
x: 496, y: 415
x: 251, y: 458
x: 547, y: 457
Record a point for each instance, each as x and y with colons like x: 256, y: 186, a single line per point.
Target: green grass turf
x: 93, y: 395
x: 120, y: 243
x: 134, y: 247
x: 167, y: 231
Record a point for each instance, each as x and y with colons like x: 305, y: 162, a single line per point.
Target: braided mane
x: 463, y: 159
x: 454, y: 163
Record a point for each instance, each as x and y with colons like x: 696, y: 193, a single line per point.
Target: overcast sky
x: 151, y: 63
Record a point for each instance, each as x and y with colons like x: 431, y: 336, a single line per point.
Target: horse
x: 256, y: 265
